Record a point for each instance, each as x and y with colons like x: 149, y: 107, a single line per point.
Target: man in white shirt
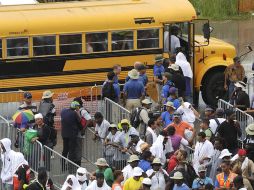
x: 102, y: 125
x: 203, y: 151
x: 144, y: 118
x: 174, y: 40
x: 135, y: 143
x: 214, y: 123
x: 128, y: 170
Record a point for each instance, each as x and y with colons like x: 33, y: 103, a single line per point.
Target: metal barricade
x: 250, y: 85
x: 59, y: 167
x: 114, y: 112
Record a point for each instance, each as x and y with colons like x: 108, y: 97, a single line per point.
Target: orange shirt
x: 180, y: 128
x: 116, y: 186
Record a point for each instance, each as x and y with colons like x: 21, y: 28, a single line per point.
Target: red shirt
x: 172, y: 163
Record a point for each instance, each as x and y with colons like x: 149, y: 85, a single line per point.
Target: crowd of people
x: 165, y: 144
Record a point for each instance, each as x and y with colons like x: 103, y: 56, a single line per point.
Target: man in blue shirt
x: 167, y: 85
x: 173, y: 97
x: 158, y: 71
x: 178, y: 181
x: 202, y: 180
x: 108, y: 91
x: 145, y: 163
x: 134, y: 91
x: 142, y: 74
x: 167, y: 116
x: 117, y: 70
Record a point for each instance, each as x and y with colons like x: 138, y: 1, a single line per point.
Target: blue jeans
x: 231, y: 88
x: 6, y: 186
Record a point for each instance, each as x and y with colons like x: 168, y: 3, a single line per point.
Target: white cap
x: 147, y: 181
x: 38, y: 116
x: 137, y: 171
x: 224, y: 153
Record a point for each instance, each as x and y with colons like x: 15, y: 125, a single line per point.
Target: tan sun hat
x: 177, y: 175
x: 250, y: 129
x: 146, y: 101
x: 47, y: 94
x: 133, y: 74
x: 156, y: 161
x: 174, y: 67
x: 133, y: 158
x: 101, y: 162
x: 170, y: 104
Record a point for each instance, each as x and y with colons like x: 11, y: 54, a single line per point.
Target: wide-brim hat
x: 101, y: 162
x: 174, y: 67
x: 158, y: 58
x: 201, y: 168
x: 133, y: 74
x: 133, y: 158
x: 240, y: 84
x: 156, y: 161
x: 177, y: 175
x: 47, y: 94
x: 146, y: 101
x: 113, y: 126
x: 225, y: 152
x: 250, y: 129
x: 170, y: 104
x: 137, y: 171
x: 147, y: 181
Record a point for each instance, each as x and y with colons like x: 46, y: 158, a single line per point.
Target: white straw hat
x: 177, y: 175
x: 137, y: 171
x: 133, y: 74
x: 224, y: 153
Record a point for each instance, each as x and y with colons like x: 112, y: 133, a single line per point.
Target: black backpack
x: 135, y: 119
x: 108, y: 91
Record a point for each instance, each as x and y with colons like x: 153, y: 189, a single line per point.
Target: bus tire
x: 213, y: 88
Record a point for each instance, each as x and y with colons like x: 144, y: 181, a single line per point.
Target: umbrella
x: 24, y: 116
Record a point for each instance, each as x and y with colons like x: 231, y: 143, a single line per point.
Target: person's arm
x: 144, y: 116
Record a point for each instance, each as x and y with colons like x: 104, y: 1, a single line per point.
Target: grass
x: 219, y: 9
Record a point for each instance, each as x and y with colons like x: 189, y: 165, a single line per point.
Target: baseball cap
x: 28, y: 95
x: 74, y: 104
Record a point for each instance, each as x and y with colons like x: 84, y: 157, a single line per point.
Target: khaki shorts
x: 132, y: 104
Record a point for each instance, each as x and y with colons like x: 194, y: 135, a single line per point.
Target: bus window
x: 0, y: 49
x: 17, y: 47
x: 96, y: 42
x: 44, y: 45
x: 148, y: 38
x: 70, y: 43
x: 122, y: 40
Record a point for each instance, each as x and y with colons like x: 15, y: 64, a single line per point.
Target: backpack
x: 45, y: 109
x: 212, y: 138
x: 108, y: 91
x: 135, y: 119
x: 190, y: 174
x: 83, y: 120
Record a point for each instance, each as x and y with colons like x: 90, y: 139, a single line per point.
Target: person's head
x: 75, y: 105
x: 240, y: 85
x: 79, y: 100
x: 225, y: 155
x: 250, y: 129
x: 111, y: 75
x: 146, y: 184
x: 237, y: 61
x: 209, y: 112
x: 219, y: 112
x: 99, y: 179
x: 173, y: 92
x: 225, y: 166
x: 201, y: 137
x: 171, y: 131
x: 137, y: 173
x: 147, y: 155
x: 174, y: 30
x: 47, y: 95
x: 202, y: 171
x: 125, y: 124
x: 166, y: 77
x: 209, y: 186
x: 152, y: 123
x: 38, y: 119
x: 118, y: 176
x: 146, y: 103
x: 219, y: 143
x: 242, y: 155
x: 177, y: 117
x: 134, y: 138
x: 230, y: 115
x: 113, y: 129
x: 117, y: 69
x: 178, y: 178
x: 81, y: 175
x: 238, y: 182
x: 156, y: 164
x: 42, y: 175
x: 172, y: 59
x: 181, y: 155
x: 141, y: 69
x: 28, y: 98
x: 205, y: 124
x: 158, y: 119
x: 101, y: 163
x: 170, y: 107
x: 158, y: 59
x: 133, y: 160
x: 5, y: 145
x: 98, y: 117
x: 137, y: 64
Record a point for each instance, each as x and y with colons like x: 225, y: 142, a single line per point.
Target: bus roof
x: 92, y: 16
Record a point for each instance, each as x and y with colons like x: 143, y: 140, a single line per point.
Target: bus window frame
x: 59, y: 45
x: 17, y: 57
x: 159, y: 37
x: 1, y: 48
x: 53, y: 35
x: 109, y: 40
x: 133, y: 39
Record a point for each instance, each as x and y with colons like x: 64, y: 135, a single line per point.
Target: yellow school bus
x: 66, y: 45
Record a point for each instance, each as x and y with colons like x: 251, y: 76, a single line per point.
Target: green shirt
x: 108, y: 175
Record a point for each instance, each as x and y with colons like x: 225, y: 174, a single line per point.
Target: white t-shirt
x: 127, y: 172
x: 158, y: 180
x: 174, y: 42
x: 187, y: 114
x: 102, y: 129
x: 202, y: 150
x: 85, y: 114
x: 213, y: 125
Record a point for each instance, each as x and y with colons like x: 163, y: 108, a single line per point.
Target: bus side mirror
x: 207, y: 31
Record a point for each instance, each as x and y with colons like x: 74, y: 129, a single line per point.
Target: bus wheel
x: 213, y: 88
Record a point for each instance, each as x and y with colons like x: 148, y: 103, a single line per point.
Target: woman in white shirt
x: 157, y: 175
